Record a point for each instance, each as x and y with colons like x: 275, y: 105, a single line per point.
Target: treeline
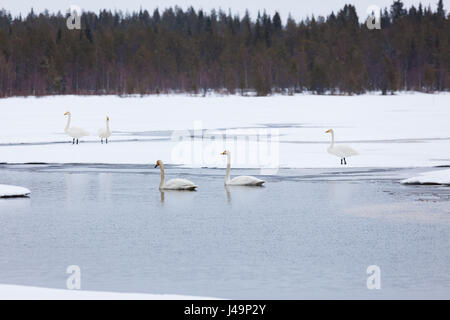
x: 194, y: 51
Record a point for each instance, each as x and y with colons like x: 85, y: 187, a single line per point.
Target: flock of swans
x: 184, y: 184
x: 341, y: 151
x: 76, y: 133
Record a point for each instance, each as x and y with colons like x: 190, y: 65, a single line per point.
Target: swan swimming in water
x: 105, y: 133
x: 74, y: 132
x: 341, y: 151
x: 173, y: 184
x: 241, y: 180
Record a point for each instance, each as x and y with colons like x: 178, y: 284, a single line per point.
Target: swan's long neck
x: 161, y: 168
x: 227, y: 176
x: 68, y: 123
x: 107, y: 126
x: 332, y: 139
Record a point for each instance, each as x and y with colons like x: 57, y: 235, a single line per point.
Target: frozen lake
x: 404, y: 130
x: 309, y: 233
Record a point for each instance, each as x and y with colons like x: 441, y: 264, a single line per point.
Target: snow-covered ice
x: 15, y: 292
x: 7, y: 191
x: 404, y: 130
x: 434, y: 177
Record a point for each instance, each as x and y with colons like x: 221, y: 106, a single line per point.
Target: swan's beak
x: 156, y: 166
x: 224, y: 153
x: 66, y: 113
x: 328, y: 131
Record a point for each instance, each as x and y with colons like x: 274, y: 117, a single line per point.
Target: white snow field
x: 434, y: 177
x: 7, y: 191
x: 14, y: 292
x: 403, y: 130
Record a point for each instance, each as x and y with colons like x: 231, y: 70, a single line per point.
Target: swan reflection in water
x: 241, y: 192
x: 179, y: 192
x: 227, y: 189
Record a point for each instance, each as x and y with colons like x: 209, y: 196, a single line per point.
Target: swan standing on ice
x: 241, y: 180
x: 341, y: 151
x: 105, y: 133
x: 74, y: 132
x: 173, y: 184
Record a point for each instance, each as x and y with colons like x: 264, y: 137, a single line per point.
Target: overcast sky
x: 299, y: 9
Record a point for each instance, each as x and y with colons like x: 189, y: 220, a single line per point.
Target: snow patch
x: 15, y: 292
x: 7, y: 191
x: 440, y: 177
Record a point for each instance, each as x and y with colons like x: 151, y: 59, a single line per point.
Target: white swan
x: 74, y: 132
x: 105, y: 133
x: 173, y: 184
x: 341, y: 151
x: 241, y: 180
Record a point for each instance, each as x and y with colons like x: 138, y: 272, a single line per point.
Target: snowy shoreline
x: 16, y: 292
x: 404, y: 130
x: 438, y: 177
x: 7, y: 191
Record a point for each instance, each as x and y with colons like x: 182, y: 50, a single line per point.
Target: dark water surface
x: 308, y: 233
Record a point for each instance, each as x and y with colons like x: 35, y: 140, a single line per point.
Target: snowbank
x: 434, y: 177
x: 13, y: 191
x: 14, y: 292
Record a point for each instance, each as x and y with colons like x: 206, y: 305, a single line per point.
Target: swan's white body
x: 240, y: 180
x: 178, y: 184
x: 341, y: 151
x: 105, y: 133
x: 173, y: 184
x: 245, y: 181
x: 74, y: 132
